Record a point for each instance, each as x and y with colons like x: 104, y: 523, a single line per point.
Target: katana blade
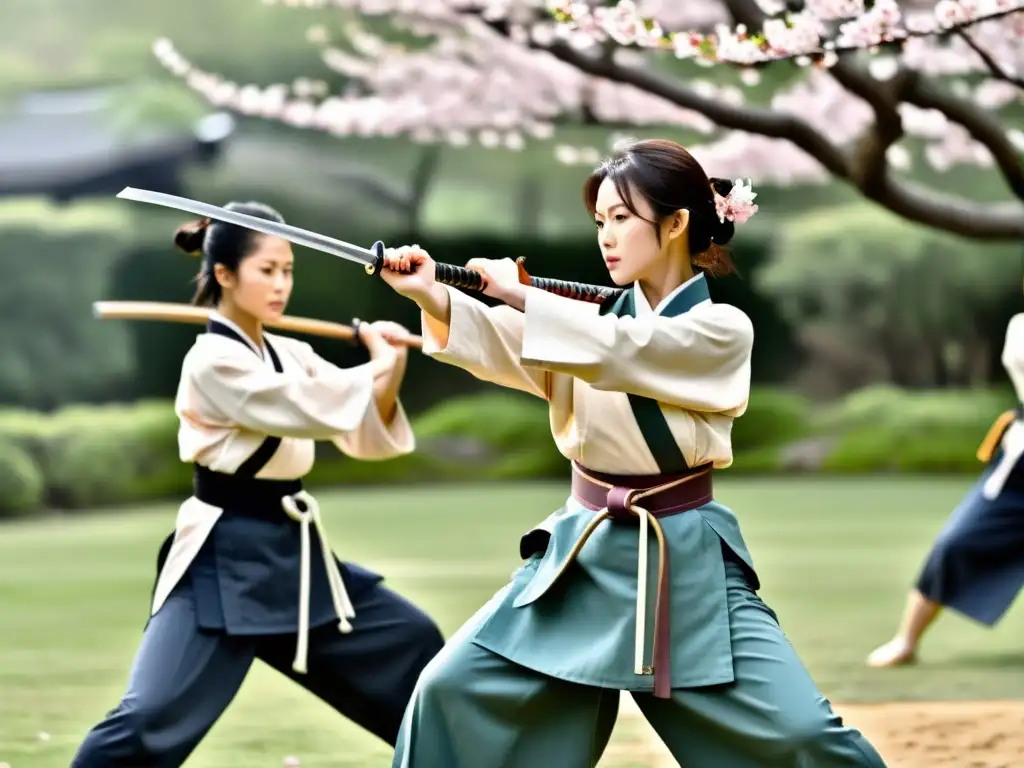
x: 365, y: 256
x: 371, y: 258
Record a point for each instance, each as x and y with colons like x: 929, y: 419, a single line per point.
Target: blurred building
x: 64, y: 145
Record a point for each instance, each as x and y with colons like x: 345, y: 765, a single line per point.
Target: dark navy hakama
x: 976, y: 565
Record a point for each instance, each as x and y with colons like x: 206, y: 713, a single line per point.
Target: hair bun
x: 722, y: 231
x: 721, y: 186
x: 190, y: 235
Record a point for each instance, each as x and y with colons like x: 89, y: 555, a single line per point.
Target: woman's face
x: 263, y: 283
x: 629, y: 244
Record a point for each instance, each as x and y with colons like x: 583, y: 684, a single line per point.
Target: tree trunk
x: 422, y: 179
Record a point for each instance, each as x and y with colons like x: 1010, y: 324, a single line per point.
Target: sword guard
x: 524, y: 276
x: 378, y: 259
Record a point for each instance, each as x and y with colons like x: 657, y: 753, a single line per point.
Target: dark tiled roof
x: 53, y: 142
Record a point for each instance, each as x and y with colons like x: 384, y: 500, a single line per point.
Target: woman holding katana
x: 976, y: 565
x: 248, y: 573
x: 642, y: 391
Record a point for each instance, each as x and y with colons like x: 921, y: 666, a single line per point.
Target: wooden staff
x: 186, y: 313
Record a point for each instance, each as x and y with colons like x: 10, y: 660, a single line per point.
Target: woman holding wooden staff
x: 248, y: 573
x: 642, y: 391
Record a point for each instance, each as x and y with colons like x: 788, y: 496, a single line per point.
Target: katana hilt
x: 460, y: 277
x: 595, y: 294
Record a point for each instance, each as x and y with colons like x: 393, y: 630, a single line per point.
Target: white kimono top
x: 229, y: 400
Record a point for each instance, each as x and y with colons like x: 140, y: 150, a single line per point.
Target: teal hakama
x: 533, y: 678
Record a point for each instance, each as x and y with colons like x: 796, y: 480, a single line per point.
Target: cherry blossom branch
x: 998, y: 71
x: 922, y: 92
x: 871, y: 171
x: 489, y: 69
x: 757, y: 120
x: 869, y: 167
x: 803, y: 35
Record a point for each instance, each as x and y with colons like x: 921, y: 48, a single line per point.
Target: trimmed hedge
x: 884, y: 429
x: 773, y: 417
x: 21, y: 481
x: 56, y: 261
x: 83, y: 456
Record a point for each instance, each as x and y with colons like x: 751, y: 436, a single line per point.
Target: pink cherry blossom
x: 830, y: 10
x: 502, y: 74
x: 738, y: 206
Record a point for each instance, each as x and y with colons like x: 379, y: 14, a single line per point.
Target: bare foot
x: 894, y: 653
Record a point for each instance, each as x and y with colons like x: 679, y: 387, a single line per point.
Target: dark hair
x: 670, y: 179
x: 220, y: 243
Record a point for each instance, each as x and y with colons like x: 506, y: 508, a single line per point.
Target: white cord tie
x: 340, y: 598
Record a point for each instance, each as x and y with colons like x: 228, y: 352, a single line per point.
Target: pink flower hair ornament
x: 738, y: 206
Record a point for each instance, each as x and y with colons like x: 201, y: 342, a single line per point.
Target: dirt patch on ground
x: 954, y: 734
x: 965, y: 734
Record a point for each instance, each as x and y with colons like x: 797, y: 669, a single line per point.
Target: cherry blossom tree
x: 878, y: 86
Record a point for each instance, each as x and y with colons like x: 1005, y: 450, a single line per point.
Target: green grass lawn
x: 835, y: 557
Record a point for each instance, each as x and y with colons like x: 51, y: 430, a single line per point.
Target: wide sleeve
x: 485, y: 341
x: 1013, y: 346
x: 373, y: 440
x: 1013, y: 354
x: 306, y: 401
x: 699, y: 360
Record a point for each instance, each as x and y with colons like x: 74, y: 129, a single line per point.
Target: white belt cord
x: 1012, y: 445
x: 643, y: 516
x: 340, y: 598
x: 639, y: 667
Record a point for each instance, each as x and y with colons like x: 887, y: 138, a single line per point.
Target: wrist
x: 516, y: 298
x: 434, y: 301
x: 378, y: 348
x: 385, y: 353
x: 382, y: 361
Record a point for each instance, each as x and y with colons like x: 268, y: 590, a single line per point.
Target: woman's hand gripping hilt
x: 446, y: 274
